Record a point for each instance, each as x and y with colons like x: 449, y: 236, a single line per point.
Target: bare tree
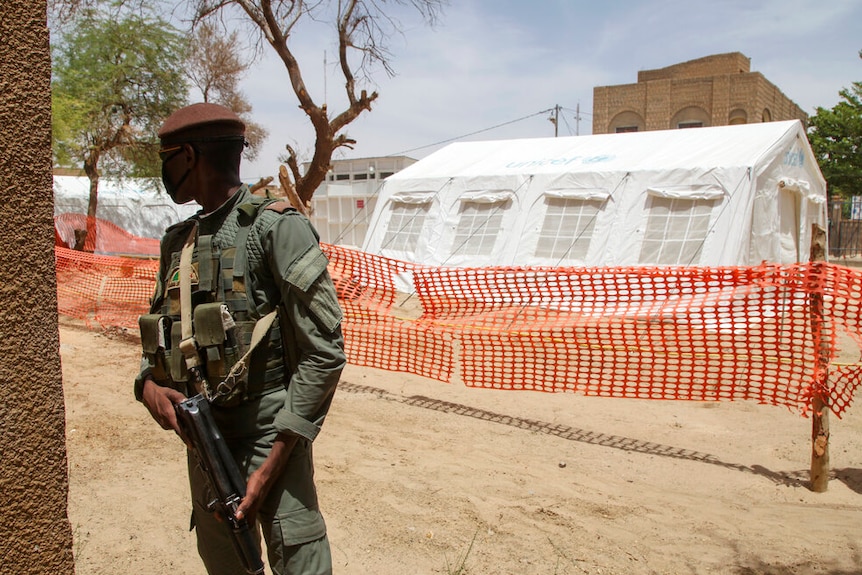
x: 361, y: 27
x: 60, y: 12
x: 215, y: 67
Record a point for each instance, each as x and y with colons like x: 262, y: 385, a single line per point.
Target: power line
x: 555, y: 109
x: 472, y: 133
x: 577, y: 114
x: 578, y: 111
x: 569, y: 127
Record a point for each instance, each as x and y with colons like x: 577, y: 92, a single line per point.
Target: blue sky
x: 491, y: 62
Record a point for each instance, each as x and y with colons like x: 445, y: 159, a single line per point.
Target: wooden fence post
x: 838, y: 246
x: 819, y: 474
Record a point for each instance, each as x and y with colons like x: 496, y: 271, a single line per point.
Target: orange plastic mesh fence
x: 105, y: 290
x: 769, y: 333
x: 691, y: 333
x: 108, y: 239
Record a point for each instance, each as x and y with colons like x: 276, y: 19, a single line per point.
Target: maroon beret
x: 202, y: 119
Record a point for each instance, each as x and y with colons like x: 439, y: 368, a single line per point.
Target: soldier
x: 251, y: 256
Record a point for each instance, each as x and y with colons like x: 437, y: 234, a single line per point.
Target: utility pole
x: 555, y: 120
x: 578, y: 120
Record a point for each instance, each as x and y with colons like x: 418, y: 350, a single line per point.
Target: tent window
x: 405, y: 225
x: 676, y: 230
x: 478, y: 227
x: 568, y: 228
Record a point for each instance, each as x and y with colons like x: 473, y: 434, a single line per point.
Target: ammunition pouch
x: 220, y: 345
x: 155, y: 332
x: 177, y: 362
x: 157, y: 342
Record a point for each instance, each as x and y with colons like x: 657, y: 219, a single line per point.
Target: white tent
x: 731, y: 195
x: 137, y: 206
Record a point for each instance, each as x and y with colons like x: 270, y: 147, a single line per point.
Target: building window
x: 627, y: 121
x: 690, y: 117
x: 479, y: 225
x: 342, y: 177
x: 405, y: 225
x: 360, y: 176
x: 567, y: 228
x: 676, y: 230
x: 767, y: 115
x: 737, y: 117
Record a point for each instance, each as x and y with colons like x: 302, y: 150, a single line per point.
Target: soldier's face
x: 174, y: 158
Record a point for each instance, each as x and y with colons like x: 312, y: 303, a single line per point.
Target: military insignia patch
x: 174, y: 277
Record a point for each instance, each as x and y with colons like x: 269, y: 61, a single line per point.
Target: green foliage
x: 115, y: 78
x: 836, y: 137
x: 66, y: 123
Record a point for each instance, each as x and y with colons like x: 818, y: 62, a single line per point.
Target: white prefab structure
x: 723, y: 196
x: 342, y: 206
x: 340, y: 212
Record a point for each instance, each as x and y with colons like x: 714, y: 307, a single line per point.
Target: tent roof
x: 728, y: 195
x: 653, y: 150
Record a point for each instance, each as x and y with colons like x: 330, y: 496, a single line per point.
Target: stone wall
x: 715, y: 90
x: 35, y: 536
x: 731, y: 63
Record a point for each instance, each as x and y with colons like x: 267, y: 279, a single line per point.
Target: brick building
x: 716, y: 90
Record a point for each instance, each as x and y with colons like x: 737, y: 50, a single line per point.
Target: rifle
x: 222, y: 474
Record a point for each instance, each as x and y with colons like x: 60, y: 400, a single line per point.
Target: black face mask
x: 171, y: 187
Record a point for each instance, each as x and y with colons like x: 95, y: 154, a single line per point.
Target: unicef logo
x: 794, y: 158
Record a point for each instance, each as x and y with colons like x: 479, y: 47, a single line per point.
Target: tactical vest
x: 223, y: 320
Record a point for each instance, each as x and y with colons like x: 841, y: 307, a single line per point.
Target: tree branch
x: 261, y: 183
x: 363, y: 27
x: 290, y: 192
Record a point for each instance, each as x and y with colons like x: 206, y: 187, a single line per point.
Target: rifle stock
x: 223, y: 476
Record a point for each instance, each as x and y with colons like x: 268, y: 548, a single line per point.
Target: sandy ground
x: 417, y: 476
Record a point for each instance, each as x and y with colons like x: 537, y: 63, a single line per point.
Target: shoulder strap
x: 205, y: 263
x: 187, y: 343
x: 252, y: 206
x: 261, y: 329
x: 280, y: 206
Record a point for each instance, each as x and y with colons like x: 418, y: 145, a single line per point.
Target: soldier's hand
x: 263, y: 478
x: 160, y: 403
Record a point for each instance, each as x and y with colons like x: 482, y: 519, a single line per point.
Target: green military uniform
x: 255, y: 258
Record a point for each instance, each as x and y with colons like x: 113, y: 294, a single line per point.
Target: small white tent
x: 137, y: 206
x: 731, y: 195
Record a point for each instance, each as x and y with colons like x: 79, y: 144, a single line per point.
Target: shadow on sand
x: 849, y: 476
